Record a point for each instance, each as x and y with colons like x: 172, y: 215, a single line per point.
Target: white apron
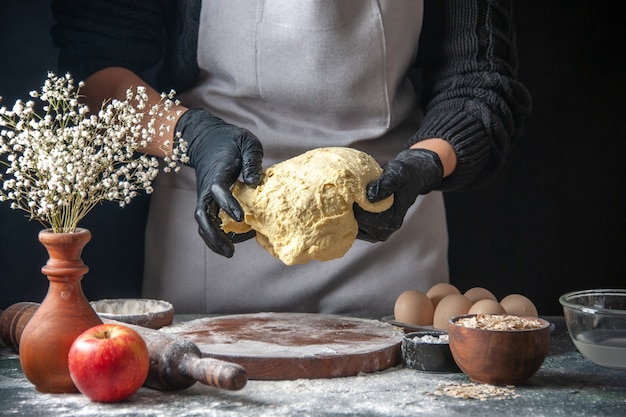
x: 300, y: 74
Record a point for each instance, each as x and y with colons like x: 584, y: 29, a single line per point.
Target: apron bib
x: 300, y: 75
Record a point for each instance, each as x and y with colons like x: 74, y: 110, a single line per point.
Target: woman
x: 428, y: 89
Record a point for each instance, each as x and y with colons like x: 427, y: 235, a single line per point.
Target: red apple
x: 108, y: 362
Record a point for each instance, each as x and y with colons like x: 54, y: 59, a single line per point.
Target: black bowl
x: 419, y: 353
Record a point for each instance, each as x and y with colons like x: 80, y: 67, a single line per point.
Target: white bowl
x: 153, y: 314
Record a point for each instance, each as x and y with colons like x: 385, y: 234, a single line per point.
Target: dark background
x: 553, y: 222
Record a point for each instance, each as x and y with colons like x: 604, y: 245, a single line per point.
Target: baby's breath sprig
x: 61, y: 164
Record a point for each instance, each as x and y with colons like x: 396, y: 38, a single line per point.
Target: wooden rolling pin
x: 175, y: 362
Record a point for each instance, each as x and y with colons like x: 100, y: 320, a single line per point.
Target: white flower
x: 59, y: 165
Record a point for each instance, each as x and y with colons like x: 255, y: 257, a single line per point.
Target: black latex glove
x: 411, y: 173
x: 219, y: 152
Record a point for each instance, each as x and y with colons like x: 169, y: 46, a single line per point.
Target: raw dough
x: 302, y: 210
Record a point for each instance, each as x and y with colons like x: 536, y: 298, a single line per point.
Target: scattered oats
x: 473, y: 391
x: 499, y: 322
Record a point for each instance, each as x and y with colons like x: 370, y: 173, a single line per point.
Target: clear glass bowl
x: 596, y: 320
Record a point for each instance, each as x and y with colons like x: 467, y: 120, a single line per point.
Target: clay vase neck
x: 63, y: 314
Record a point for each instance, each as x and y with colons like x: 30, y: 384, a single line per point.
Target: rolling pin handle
x: 216, y: 373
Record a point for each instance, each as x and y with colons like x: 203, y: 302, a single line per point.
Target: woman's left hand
x: 411, y: 173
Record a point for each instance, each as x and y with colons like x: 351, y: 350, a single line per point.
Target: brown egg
x: 486, y: 306
x: 479, y: 293
x: 438, y: 291
x: 451, y: 305
x: 414, y: 307
x: 518, y: 305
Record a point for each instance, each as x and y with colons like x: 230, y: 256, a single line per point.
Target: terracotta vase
x: 63, y: 314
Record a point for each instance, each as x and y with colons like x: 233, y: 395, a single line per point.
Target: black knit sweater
x: 465, y: 72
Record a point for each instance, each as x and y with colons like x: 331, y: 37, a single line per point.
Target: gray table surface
x: 566, y: 385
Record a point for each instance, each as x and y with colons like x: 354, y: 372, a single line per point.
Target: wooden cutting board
x: 281, y: 346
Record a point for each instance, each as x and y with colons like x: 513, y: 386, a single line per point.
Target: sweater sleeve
x: 95, y: 34
x: 470, y: 94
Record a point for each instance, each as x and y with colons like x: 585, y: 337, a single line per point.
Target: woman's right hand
x: 219, y: 152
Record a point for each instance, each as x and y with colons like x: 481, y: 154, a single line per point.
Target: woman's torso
x: 300, y: 75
